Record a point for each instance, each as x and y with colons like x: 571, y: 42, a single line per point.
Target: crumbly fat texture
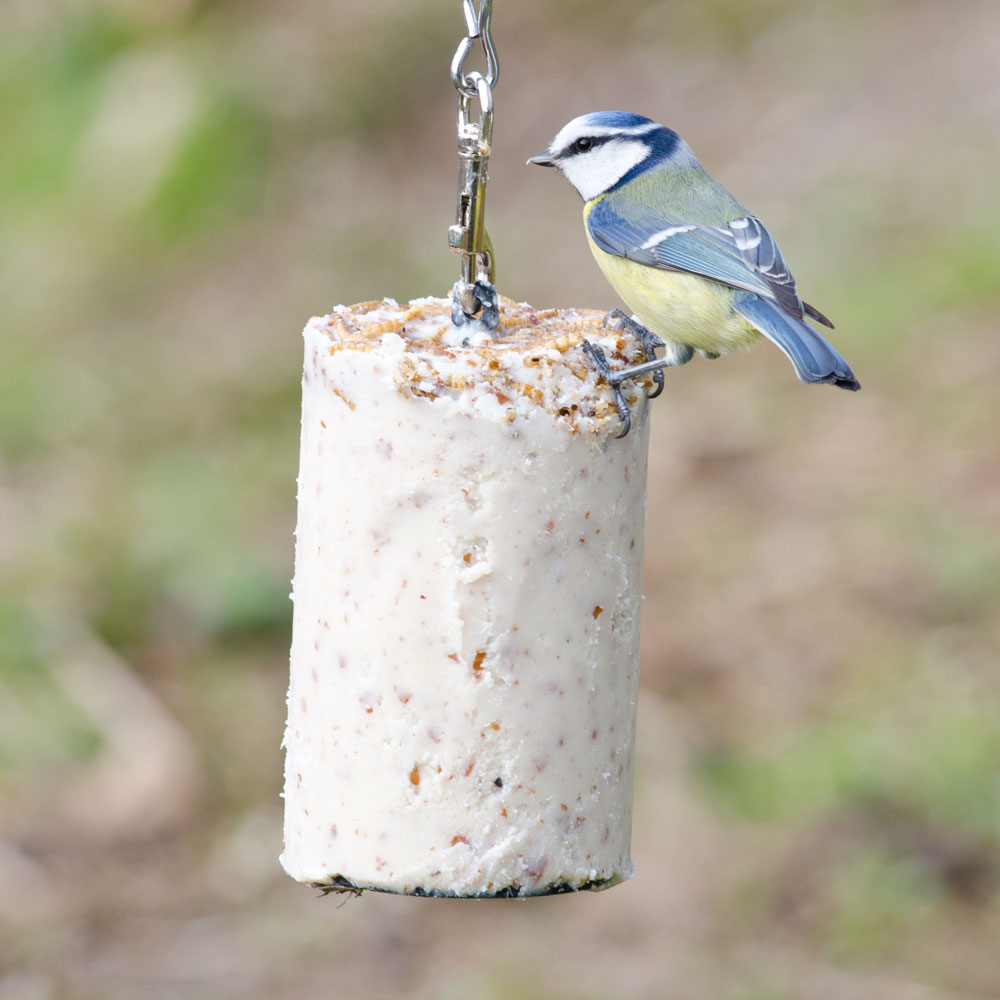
x: 467, y: 592
x: 534, y: 363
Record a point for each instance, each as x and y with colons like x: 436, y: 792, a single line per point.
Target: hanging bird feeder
x: 467, y: 582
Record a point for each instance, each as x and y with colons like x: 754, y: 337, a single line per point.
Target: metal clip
x: 475, y: 298
x: 468, y: 235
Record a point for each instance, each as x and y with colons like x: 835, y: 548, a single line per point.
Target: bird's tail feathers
x: 814, y: 358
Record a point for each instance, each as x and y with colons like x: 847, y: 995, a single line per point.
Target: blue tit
x: 697, y: 270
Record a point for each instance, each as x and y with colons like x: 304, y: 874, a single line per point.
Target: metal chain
x: 474, y: 299
x: 477, y: 27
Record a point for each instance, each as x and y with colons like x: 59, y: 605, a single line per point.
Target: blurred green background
x: 184, y: 183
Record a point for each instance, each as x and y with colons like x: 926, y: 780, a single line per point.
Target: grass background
x: 183, y: 183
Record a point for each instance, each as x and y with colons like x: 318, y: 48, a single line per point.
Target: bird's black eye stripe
x: 586, y: 143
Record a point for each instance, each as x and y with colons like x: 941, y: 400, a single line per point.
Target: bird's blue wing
x: 742, y: 254
x: 620, y: 236
x: 761, y: 254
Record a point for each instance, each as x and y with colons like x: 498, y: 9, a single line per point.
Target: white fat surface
x: 466, y: 628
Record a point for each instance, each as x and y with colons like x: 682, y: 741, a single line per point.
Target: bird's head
x: 604, y: 149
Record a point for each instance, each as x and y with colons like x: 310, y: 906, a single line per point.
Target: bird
x: 699, y: 273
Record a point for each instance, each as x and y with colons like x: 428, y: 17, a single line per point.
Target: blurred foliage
x: 43, y: 730
x: 183, y: 182
x: 877, y: 900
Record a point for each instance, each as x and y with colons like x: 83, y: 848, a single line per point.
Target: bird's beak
x: 543, y: 159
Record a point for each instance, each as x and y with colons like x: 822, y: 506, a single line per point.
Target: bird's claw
x: 614, y: 379
x: 649, y: 340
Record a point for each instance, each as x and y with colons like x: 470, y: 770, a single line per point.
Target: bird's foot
x: 614, y: 379
x: 649, y: 340
x: 676, y: 354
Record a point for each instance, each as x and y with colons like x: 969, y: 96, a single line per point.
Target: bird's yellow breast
x: 681, y: 308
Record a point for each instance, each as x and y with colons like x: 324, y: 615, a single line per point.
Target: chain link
x: 477, y: 28
x: 474, y: 297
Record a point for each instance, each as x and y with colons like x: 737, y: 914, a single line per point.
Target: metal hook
x: 477, y: 26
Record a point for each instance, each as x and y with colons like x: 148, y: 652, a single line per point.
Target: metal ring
x: 484, y: 92
x: 481, y: 130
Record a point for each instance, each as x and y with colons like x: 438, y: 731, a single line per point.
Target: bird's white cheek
x: 594, y: 172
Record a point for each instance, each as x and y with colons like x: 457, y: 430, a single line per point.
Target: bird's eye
x: 583, y: 144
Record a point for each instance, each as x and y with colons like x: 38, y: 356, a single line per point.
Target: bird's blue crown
x: 616, y: 119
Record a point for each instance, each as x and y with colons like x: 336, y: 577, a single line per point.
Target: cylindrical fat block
x: 467, y: 591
